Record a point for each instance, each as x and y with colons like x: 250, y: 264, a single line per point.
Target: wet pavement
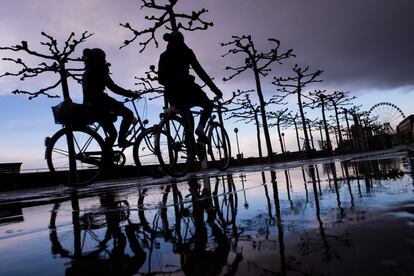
x: 353, y: 216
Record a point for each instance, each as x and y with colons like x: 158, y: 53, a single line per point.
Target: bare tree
x: 293, y: 121
x: 259, y: 63
x: 319, y: 99
x: 167, y: 18
x: 312, y: 124
x: 295, y: 85
x: 55, y: 61
x: 280, y: 119
x: 340, y: 99
x: 247, y: 111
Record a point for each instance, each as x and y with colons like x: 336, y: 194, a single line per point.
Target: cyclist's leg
x: 127, y: 116
x: 199, y: 98
x: 185, y: 113
x: 207, y: 106
x: 103, y: 116
x: 111, y: 132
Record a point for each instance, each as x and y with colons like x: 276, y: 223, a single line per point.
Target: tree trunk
x: 336, y: 137
x: 320, y: 133
x: 69, y: 132
x: 341, y: 142
x: 325, y: 125
x: 280, y: 141
x: 310, y: 135
x: 263, y: 113
x: 297, y: 135
x: 349, y: 130
x: 259, y: 142
x: 302, y: 115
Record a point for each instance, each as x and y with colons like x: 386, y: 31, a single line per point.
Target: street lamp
x: 236, y: 130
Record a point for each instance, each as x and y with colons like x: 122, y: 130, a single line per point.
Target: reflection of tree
x: 279, y: 223
x: 305, y: 183
x: 309, y: 245
x: 270, y: 220
x: 348, y: 181
x: 336, y: 186
x: 288, y: 187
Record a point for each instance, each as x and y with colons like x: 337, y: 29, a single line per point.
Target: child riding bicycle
x: 95, y: 79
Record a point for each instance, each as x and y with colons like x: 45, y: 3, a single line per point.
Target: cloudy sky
x: 365, y: 47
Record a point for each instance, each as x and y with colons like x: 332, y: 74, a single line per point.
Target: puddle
x: 342, y: 218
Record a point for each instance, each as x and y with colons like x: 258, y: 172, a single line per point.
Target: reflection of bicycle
x: 76, y: 154
x: 87, y: 235
x: 97, y: 241
x: 176, y: 148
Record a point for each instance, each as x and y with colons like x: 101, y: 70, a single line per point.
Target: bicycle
x: 175, y: 145
x: 76, y: 154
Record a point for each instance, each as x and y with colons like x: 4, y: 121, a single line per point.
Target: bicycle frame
x: 135, y: 129
x: 171, y: 112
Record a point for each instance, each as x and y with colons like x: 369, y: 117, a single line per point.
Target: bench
x: 9, y: 173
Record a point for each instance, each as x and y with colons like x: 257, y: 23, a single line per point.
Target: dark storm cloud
x: 359, y: 44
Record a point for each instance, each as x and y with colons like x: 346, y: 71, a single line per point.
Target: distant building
x: 405, y: 129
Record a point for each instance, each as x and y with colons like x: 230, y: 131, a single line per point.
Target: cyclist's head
x: 174, y: 38
x: 94, y: 56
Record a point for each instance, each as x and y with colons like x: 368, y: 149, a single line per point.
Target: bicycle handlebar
x: 132, y: 99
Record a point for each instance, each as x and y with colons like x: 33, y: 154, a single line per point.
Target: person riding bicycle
x: 95, y: 79
x: 180, y: 88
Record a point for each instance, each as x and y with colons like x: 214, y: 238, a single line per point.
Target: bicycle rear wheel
x: 173, y: 147
x: 219, y: 146
x: 88, y: 154
x: 144, y: 154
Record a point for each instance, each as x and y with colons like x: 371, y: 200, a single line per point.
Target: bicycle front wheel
x: 219, y: 147
x: 173, y: 147
x: 144, y: 154
x: 87, y: 156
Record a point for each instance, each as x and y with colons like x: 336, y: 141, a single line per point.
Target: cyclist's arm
x: 117, y: 89
x: 203, y: 75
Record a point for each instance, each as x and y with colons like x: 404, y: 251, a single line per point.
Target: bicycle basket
x: 73, y: 113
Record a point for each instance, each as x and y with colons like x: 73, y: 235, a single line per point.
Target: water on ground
x: 353, y: 217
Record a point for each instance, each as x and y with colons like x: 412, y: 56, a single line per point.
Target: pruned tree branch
x: 42, y: 91
x: 255, y: 60
x: 169, y: 19
x: 293, y: 84
x: 58, y: 60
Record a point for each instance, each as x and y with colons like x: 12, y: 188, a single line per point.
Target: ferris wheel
x: 387, y: 114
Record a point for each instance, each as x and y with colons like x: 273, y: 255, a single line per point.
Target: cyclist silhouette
x: 180, y: 88
x: 95, y: 79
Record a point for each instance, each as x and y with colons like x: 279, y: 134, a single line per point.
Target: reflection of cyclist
x: 95, y: 79
x: 180, y: 88
x: 203, y: 258
x: 90, y: 254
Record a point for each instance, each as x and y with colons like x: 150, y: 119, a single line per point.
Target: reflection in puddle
x: 335, y: 218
